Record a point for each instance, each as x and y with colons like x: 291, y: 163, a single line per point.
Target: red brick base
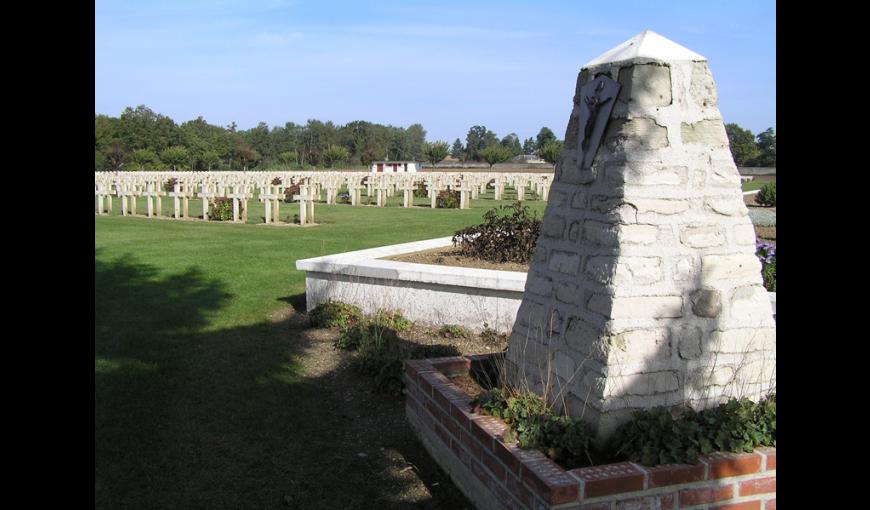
x: 499, y: 475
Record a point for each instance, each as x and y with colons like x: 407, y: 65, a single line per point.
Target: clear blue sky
x: 511, y: 66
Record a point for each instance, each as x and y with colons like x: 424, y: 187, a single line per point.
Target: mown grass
x: 202, y: 400
x: 754, y: 185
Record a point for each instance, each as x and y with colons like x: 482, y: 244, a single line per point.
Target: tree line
x: 141, y: 139
x: 749, y: 149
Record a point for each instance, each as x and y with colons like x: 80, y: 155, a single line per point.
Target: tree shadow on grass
x: 186, y: 417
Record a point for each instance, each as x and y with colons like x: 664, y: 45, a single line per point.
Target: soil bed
x: 449, y: 256
x: 467, y: 384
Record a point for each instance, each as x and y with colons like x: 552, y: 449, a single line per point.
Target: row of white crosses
x: 210, y: 185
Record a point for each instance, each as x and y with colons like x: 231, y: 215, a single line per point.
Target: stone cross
x: 520, y: 185
x: 100, y: 192
x: 109, y: 199
x: 435, y: 186
x: 499, y: 187
x: 381, y: 188
x: 408, y: 189
x: 332, y: 187
x: 306, y: 206
x: 464, y: 191
x: 152, y: 192
x: 271, y: 200
x: 544, y: 189
x: 240, y: 198
x: 354, y: 188
x: 176, y: 195
x: 128, y: 195
x: 206, y: 193
x: 645, y: 289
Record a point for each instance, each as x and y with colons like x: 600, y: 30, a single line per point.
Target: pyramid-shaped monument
x: 645, y: 290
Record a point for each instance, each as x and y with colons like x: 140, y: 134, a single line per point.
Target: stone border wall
x: 498, y: 475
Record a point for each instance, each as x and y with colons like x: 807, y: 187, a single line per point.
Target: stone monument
x: 645, y: 289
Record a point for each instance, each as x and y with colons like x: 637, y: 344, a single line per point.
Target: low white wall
x: 425, y: 293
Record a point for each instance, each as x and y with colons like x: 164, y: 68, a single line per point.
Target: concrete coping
x: 369, y: 263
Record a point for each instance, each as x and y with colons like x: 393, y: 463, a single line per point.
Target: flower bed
x: 496, y: 474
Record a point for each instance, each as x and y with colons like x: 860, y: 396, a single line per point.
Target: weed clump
x: 334, y: 314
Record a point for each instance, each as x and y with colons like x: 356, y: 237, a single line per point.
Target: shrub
x: 392, y: 319
x: 420, y: 190
x: 276, y: 181
x: 344, y: 197
x: 768, y: 273
x: 453, y: 331
x: 350, y: 338
x: 766, y: 253
x: 220, y: 209
x: 447, y: 199
x: 290, y: 191
x: 767, y: 195
x: 380, y: 356
x: 169, y: 185
x: 332, y: 314
x: 509, y: 234
x: 667, y: 436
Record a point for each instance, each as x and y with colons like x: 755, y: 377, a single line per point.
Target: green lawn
x: 201, y: 398
x: 754, y: 185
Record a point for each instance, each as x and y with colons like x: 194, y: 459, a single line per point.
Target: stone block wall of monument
x: 645, y: 289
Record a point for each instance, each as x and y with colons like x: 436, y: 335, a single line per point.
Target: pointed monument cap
x: 648, y: 45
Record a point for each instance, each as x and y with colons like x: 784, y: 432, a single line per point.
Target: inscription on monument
x: 598, y: 97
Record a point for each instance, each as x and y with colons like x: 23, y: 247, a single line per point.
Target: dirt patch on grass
x: 449, y: 256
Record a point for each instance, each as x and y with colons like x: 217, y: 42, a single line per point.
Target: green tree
x: 203, y: 140
x: 743, y: 147
x: 142, y: 128
x: 175, y: 157
x: 435, y: 152
x: 105, y: 130
x: 767, y: 148
x: 545, y: 136
x: 333, y: 154
x: 99, y: 161
x: 478, y: 138
x: 397, y: 147
x: 115, y: 155
x: 512, y: 143
x: 367, y: 156
x: 416, y: 136
x: 495, y: 154
x: 210, y: 159
x: 246, y: 156
x: 145, y: 159
x: 288, y: 157
x: 259, y: 139
x: 529, y: 146
x: 550, y: 151
x: 457, y: 151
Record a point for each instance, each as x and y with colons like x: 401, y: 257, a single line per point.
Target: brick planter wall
x: 498, y: 475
